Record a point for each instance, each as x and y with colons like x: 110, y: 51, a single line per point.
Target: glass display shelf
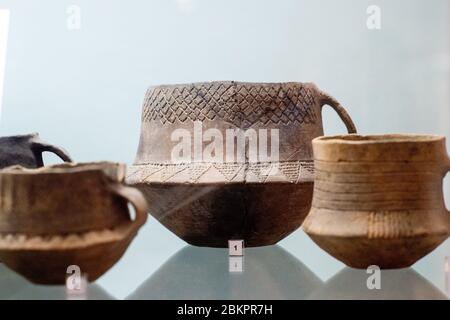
x: 158, y: 265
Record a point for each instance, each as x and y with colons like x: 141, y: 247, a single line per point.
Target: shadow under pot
x: 378, y: 200
x: 402, y: 284
x: 15, y: 287
x: 230, y: 160
x: 63, y: 215
x: 268, y: 273
x: 26, y: 150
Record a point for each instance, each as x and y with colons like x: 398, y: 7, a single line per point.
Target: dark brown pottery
x: 232, y: 195
x: 26, y: 150
x: 63, y: 215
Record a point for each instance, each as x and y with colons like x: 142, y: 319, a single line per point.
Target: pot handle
x: 326, y: 99
x: 40, y: 146
x: 135, y: 197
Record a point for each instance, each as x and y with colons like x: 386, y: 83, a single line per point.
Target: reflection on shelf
x: 236, y: 264
x: 447, y: 275
x: 14, y: 287
x: 404, y: 284
x: 203, y: 273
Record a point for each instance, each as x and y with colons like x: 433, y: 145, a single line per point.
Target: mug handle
x: 135, y: 197
x: 326, y: 99
x: 40, y: 146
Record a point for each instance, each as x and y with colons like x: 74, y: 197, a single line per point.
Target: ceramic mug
x: 241, y: 192
x: 68, y: 214
x: 65, y: 199
x: 378, y: 200
x: 26, y: 150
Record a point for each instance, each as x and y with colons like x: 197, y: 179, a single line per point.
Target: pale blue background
x: 83, y: 89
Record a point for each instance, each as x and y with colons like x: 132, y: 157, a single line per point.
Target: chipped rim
x: 357, y: 139
x: 114, y: 170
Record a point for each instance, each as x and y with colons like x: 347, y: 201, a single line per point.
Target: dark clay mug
x: 26, y: 150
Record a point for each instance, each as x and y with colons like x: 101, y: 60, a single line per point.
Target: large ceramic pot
x: 230, y: 160
x: 63, y: 215
x: 26, y: 150
x: 378, y: 200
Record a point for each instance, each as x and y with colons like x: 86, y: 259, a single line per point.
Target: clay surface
x: 378, y: 200
x: 63, y: 215
x: 259, y: 199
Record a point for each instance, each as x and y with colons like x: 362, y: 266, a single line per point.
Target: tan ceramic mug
x: 67, y: 198
x: 378, y: 200
x: 70, y: 214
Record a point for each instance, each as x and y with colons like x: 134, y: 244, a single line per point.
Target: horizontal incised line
x: 363, y: 181
x: 357, y: 191
x: 399, y: 172
x: 377, y: 162
x: 375, y: 201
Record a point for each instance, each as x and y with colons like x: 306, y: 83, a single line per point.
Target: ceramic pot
x: 378, y: 200
x: 230, y: 160
x: 26, y: 150
x: 69, y: 214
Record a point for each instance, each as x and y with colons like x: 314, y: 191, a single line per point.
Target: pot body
x: 211, y: 214
x: 26, y: 150
x: 68, y: 214
x: 378, y: 200
x: 229, y: 160
x: 37, y: 202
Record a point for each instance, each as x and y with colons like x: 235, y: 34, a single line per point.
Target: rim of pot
x: 66, y: 167
x: 357, y: 139
x: 187, y: 84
